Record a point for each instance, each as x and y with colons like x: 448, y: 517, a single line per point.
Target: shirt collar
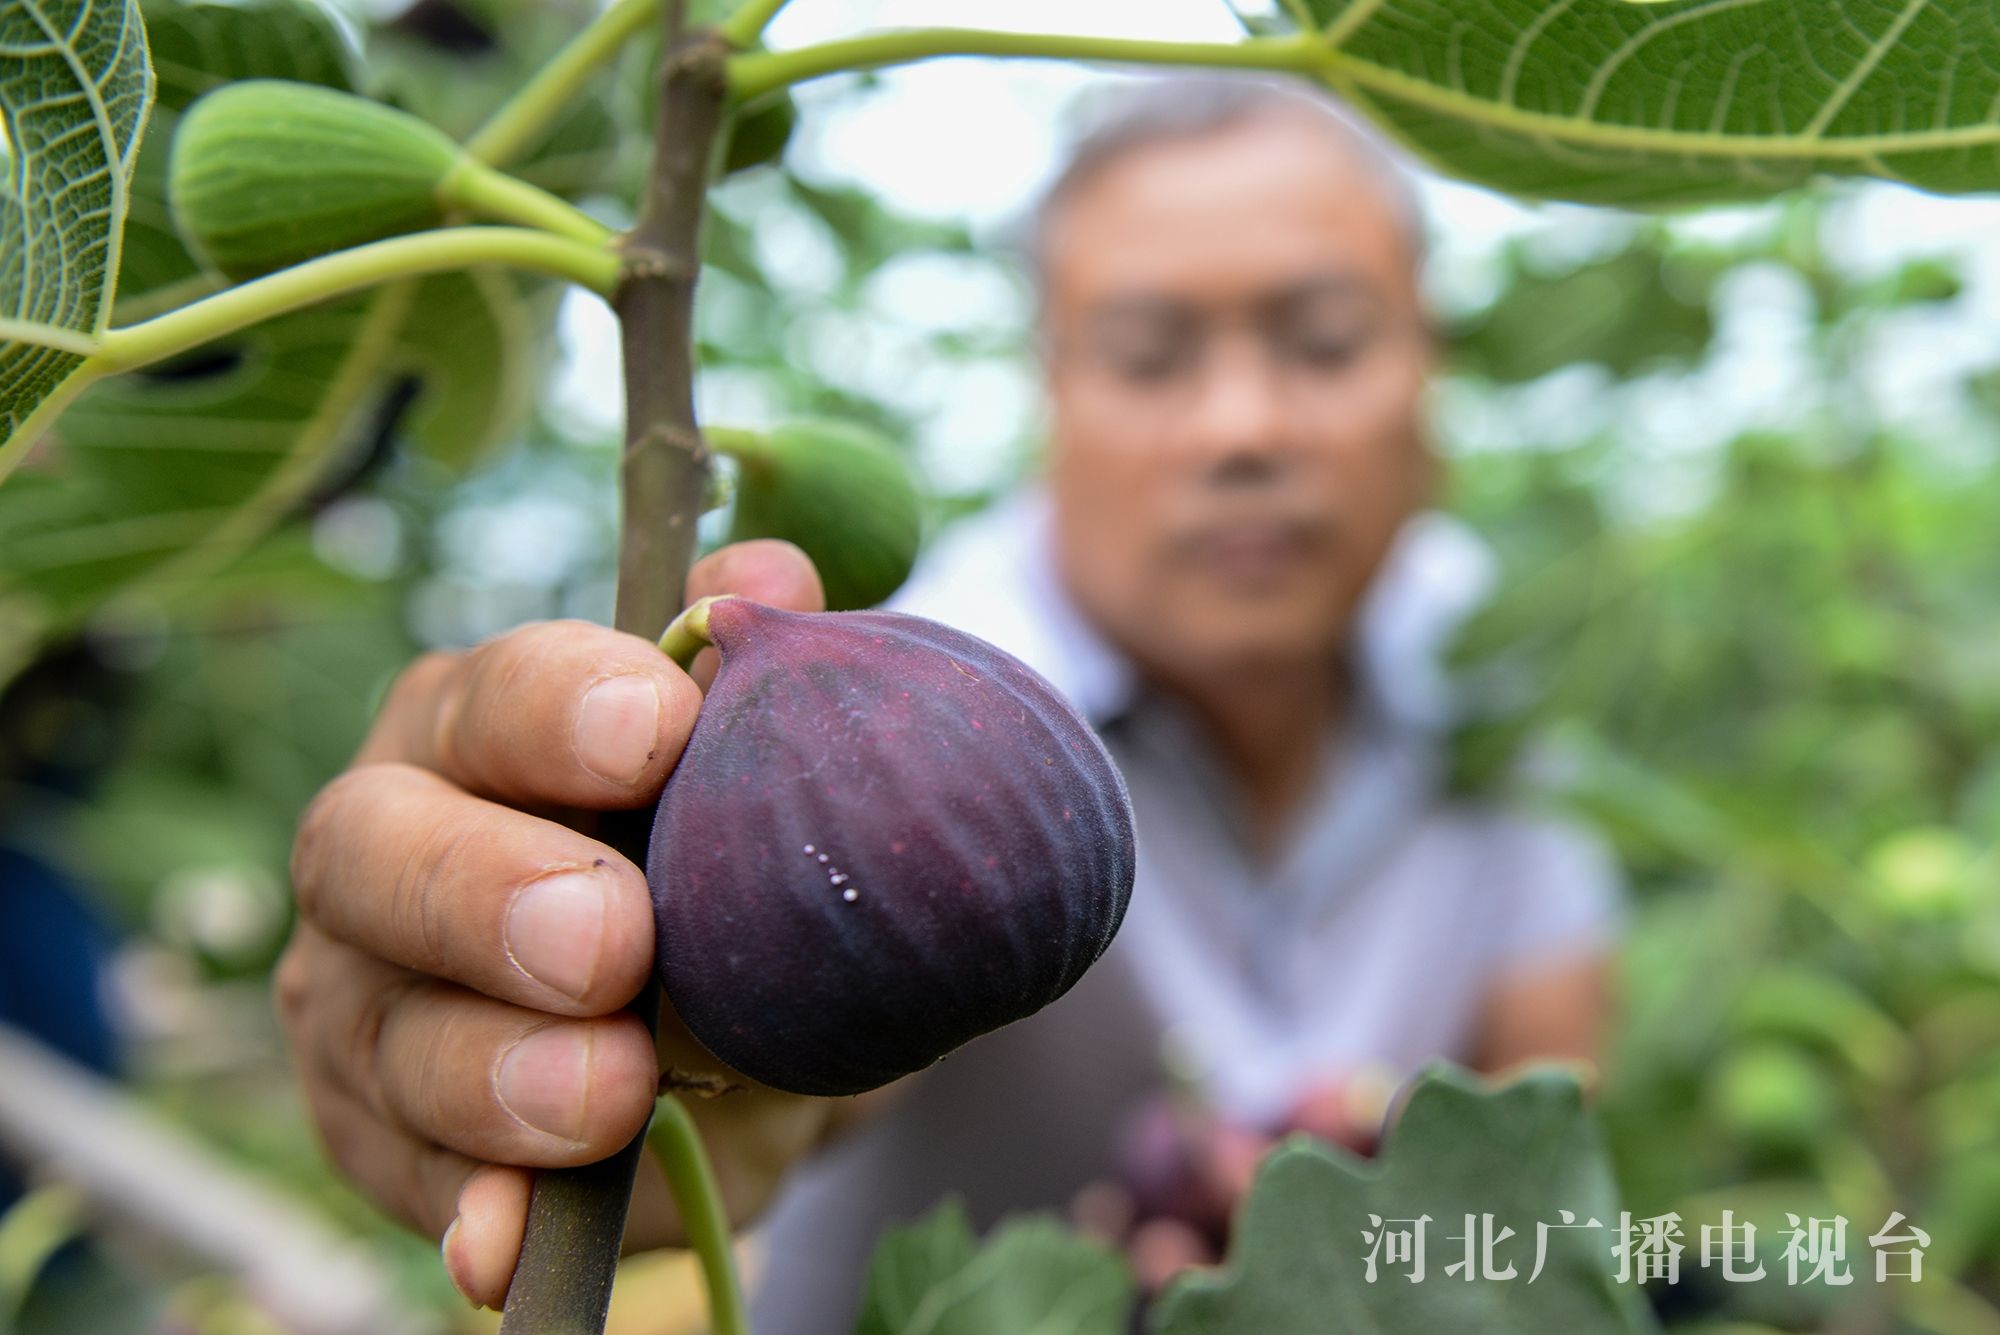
x: 994, y: 576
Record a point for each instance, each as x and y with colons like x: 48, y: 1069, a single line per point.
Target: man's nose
x: 1238, y: 418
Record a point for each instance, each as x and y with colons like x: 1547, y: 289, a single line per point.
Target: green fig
x: 266, y: 173
x: 839, y: 491
x: 759, y: 134
x: 1772, y: 1096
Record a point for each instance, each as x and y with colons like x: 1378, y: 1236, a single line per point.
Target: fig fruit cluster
x: 885, y: 838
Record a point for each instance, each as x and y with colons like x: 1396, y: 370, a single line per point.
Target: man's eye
x: 1323, y: 349
x: 1148, y: 360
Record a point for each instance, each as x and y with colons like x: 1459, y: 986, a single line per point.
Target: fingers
x: 468, y: 1073
x: 484, y: 1240
x: 395, y: 860
x: 560, y: 712
x: 409, y: 1178
x: 767, y: 571
x: 565, y: 713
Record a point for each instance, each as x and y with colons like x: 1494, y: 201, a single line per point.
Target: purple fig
x: 885, y: 838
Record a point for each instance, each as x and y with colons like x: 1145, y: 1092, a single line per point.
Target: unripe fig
x: 759, y: 134
x: 265, y: 173
x: 838, y: 490
x: 885, y: 838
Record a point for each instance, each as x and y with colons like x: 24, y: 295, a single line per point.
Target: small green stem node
x: 687, y: 634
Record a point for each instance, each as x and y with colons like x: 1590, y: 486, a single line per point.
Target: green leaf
x: 909, y: 1261
x: 169, y: 475
x: 196, y: 48
x: 32, y: 1231
x: 477, y: 341
x: 164, y: 477
x: 1615, y: 102
x: 1624, y: 313
x: 74, y: 92
x: 452, y: 63
x: 1034, y: 1277
x: 1521, y: 1153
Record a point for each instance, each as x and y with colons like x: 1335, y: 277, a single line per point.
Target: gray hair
x: 1121, y: 118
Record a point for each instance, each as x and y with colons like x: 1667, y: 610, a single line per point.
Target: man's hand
x: 453, y: 990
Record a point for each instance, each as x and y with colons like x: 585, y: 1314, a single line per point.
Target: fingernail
x: 451, y: 1267
x: 555, y: 930
x: 618, y: 727
x: 542, y: 1080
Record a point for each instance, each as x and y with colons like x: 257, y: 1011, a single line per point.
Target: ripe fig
x: 885, y: 838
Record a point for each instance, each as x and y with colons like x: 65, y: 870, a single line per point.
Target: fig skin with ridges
x: 885, y: 838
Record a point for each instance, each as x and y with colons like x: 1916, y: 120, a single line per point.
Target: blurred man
x: 1228, y: 568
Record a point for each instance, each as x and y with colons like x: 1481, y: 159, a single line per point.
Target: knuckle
x: 343, y: 1137
x: 423, y: 675
x: 326, y: 826
x: 431, y: 1101
x: 420, y: 900
x: 365, y: 1044
x: 315, y: 832
x: 291, y: 983
x: 492, y: 670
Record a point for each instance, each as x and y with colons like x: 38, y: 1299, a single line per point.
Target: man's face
x: 1236, y: 359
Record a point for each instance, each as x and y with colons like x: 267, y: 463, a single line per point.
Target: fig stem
x: 687, y: 634
x: 440, y: 251
x: 676, y: 1143
x: 491, y: 193
x: 512, y: 130
x: 755, y: 73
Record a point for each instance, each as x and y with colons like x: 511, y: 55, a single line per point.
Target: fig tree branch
x: 576, y: 1217
x: 755, y: 73
x: 665, y: 473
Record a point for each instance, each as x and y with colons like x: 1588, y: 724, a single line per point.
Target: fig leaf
x: 1663, y: 105
x: 1034, y: 1274
x: 243, y: 433
x: 1521, y: 1152
x: 75, y: 88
